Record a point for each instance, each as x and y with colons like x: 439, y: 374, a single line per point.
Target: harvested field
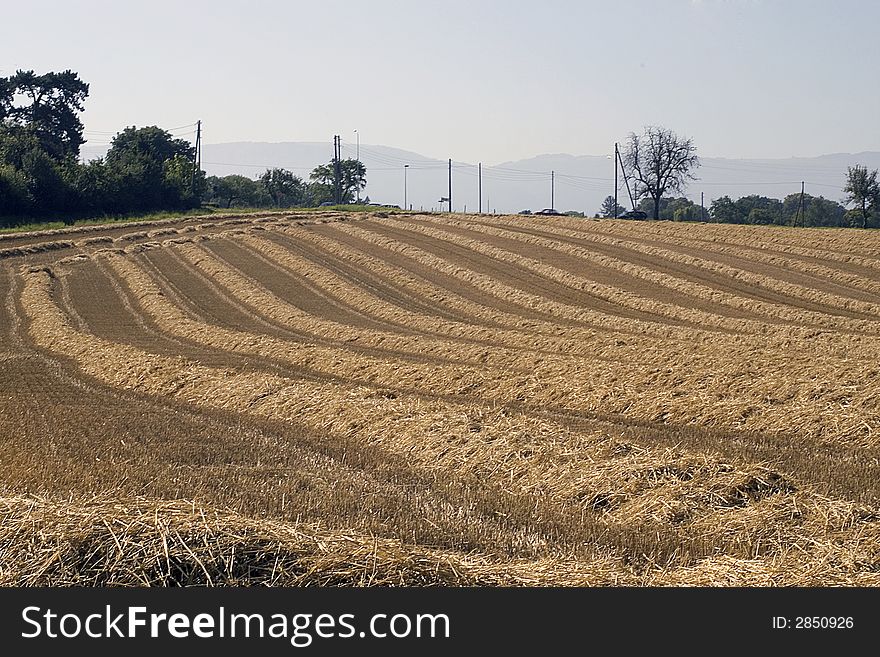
x: 355, y: 400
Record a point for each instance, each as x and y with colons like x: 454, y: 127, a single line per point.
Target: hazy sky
x: 475, y: 80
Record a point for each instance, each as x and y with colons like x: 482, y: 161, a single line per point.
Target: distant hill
x: 581, y: 182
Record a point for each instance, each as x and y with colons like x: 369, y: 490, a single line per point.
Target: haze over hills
x: 578, y: 182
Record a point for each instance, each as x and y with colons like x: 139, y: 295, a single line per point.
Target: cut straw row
x: 698, y: 263
x: 638, y: 302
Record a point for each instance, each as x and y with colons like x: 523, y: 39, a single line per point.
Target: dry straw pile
x: 139, y: 542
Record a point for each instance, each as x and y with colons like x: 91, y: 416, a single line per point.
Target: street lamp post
x: 358, y: 157
x: 405, y: 167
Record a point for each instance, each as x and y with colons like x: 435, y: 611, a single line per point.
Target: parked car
x: 549, y: 211
x: 524, y: 212
x: 634, y: 214
x: 326, y: 204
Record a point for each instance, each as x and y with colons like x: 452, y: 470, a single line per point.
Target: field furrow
x: 472, y: 331
x: 588, y: 317
x: 300, y: 358
x: 564, y: 385
x: 822, y: 244
x: 368, y: 281
x: 6, y: 297
x: 295, y: 292
x: 764, y: 347
x: 406, y: 268
x: 575, y: 285
x: 503, y: 453
x: 771, y: 284
x: 611, y: 273
x: 533, y: 331
x: 804, y: 312
x: 211, y: 306
x: 406, y: 343
x: 550, y: 382
x: 423, y: 399
x: 99, y: 305
x: 508, y: 273
x: 269, y: 467
x: 579, y: 342
x: 800, y: 270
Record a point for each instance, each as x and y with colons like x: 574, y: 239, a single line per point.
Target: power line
x: 568, y: 175
x: 764, y: 166
x: 116, y: 132
x: 393, y: 159
x: 749, y: 184
x: 180, y: 127
x: 815, y: 184
x: 259, y: 166
x: 585, y: 184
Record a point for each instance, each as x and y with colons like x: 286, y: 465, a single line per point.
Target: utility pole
x: 615, y: 180
x: 405, y: 167
x: 197, y: 155
x: 702, y: 208
x: 626, y: 180
x: 450, y: 185
x: 337, y: 146
x: 358, y: 156
x: 480, y: 186
x: 801, y: 208
x: 552, y: 189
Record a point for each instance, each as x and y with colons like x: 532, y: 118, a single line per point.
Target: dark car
x: 549, y: 211
x: 634, y: 214
x: 525, y: 212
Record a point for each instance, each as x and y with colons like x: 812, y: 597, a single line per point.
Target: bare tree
x: 863, y: 190
x: 660, y: 161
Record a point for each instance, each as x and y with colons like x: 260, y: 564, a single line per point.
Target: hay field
x: 329, y: 399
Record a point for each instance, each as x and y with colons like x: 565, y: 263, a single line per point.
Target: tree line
x: 145, y: 170
x: 280, y: 188
x: 658, y: 162
x: 148, y: 170
x: 813, y: 211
